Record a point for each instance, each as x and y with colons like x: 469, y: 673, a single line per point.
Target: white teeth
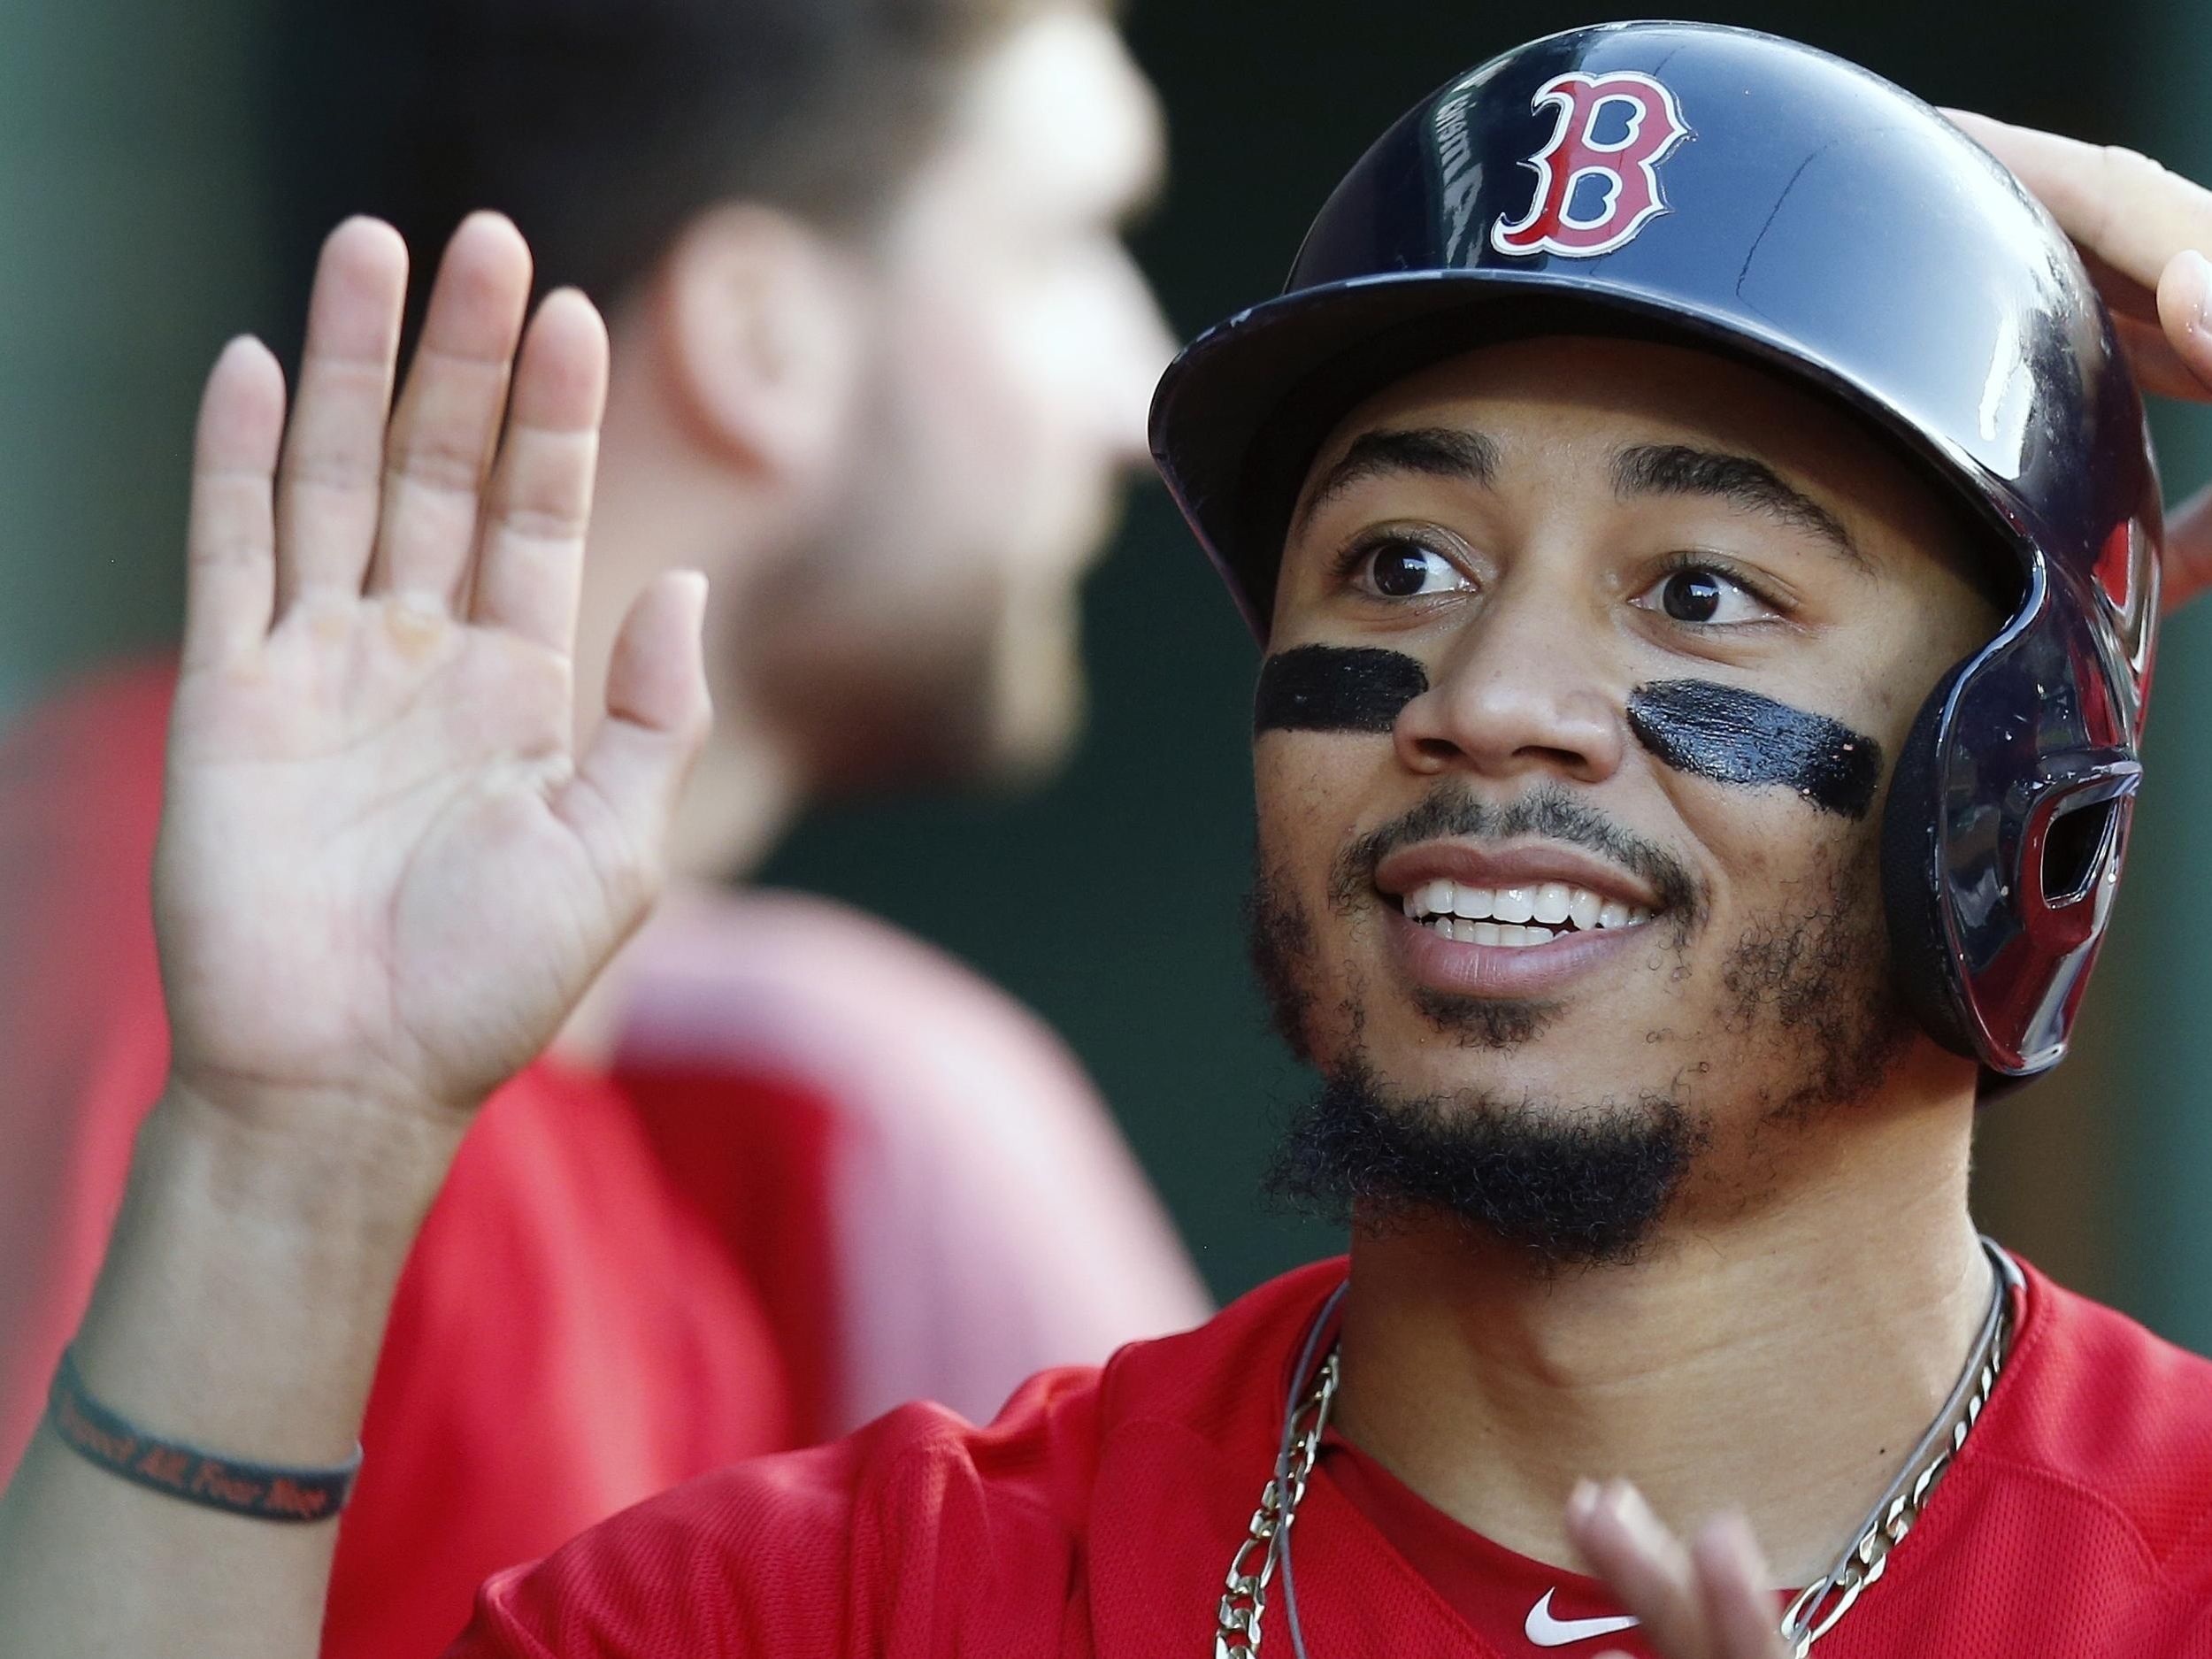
x: 1454, y: 908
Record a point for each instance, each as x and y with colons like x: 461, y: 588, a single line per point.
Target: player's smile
x: 1513, y: 922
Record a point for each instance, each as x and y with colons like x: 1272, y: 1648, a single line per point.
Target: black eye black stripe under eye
x: 1335, y: 688
x: 1735, y: 736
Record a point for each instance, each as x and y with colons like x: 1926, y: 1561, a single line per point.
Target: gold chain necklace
x: 1266, y: 1547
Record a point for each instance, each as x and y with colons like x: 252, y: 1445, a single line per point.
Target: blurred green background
x: 136, y: 236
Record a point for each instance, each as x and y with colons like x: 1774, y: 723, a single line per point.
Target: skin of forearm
x: 240, y: 1309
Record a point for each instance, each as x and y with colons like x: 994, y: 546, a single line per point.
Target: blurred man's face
x: 1589, y: 666
x: 1015, y: 346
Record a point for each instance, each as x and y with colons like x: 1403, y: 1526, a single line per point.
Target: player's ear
x: 759, y: 321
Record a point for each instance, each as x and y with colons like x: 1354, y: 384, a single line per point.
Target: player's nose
x: 1520, y: 690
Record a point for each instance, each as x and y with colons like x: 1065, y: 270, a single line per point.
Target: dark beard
x: 1807, y: 995
x: 1278, y: 939
x: 1579, y: 1188
x: 1816, y: 990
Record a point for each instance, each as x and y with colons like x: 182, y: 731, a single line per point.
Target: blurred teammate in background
x: 880, y: 361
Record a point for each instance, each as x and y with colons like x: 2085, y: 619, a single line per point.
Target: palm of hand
x: 382, y: 874
x: 362, y: 878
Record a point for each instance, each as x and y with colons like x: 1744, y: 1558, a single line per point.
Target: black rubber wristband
x: 266, y: 1492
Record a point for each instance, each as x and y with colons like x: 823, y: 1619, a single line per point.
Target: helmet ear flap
x: 1912, y: 884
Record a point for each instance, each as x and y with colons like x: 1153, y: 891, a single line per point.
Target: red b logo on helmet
x: 1616, y: 185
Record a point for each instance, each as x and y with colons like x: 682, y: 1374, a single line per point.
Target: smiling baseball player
x: 1696, y: 511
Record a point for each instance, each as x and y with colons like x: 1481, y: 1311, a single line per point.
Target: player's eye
x: 1704, y: 595
x: 1399, y: 567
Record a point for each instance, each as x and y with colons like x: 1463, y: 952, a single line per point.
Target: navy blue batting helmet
x: 1745, y: 194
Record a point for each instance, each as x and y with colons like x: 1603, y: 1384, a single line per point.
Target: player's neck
x: 1783, y: 1360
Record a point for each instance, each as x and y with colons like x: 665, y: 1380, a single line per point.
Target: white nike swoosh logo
x: 1547, y: 1631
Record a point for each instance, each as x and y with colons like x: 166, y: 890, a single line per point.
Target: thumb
x: 624, y: 796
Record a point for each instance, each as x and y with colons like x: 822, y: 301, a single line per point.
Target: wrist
x: 282, y: 1155
x: 245, y: 1292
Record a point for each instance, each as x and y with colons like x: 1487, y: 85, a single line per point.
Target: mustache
x: 1453, y: 812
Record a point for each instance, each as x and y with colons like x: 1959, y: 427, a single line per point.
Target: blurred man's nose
x: 1139, y: 346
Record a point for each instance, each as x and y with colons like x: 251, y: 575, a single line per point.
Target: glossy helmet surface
x: 1737, y: 192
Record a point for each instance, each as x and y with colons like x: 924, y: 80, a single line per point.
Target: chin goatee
x: 1589, y: 1186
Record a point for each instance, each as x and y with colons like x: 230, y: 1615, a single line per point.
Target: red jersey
x: 631, y: 1276
x: 1097, y: 1516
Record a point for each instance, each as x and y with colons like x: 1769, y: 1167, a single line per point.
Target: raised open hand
x: 2145, y: 233
x: 382, y: 876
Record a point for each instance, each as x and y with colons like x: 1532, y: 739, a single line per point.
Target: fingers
x: 2143, y: 232
x: 1628, y: 1548
x: 347, y: 495
x: 2164, y: 331
x: 230, y: 570
x: 2120, y: 205
x: 329, y: 488
x: 2159, y: 368
x: 1731, y: 1579
x: 447, y: 423
x: 2184, y: 299
x: 2128, y: 300
x: 624, y: 793
x: 532, y: 561
x: 1710, y: 1602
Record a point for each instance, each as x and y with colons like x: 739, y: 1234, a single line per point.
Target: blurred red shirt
x: 1097, y: 1516
x: 829, y: 1169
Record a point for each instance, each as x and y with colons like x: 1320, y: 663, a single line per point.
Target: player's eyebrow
x: 1677, y: 469
x: 1431, y: 451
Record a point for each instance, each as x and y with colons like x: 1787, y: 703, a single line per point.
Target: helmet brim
x: 1241, y: 413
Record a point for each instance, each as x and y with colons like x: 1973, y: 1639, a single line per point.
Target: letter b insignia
x: 1594, y: 192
